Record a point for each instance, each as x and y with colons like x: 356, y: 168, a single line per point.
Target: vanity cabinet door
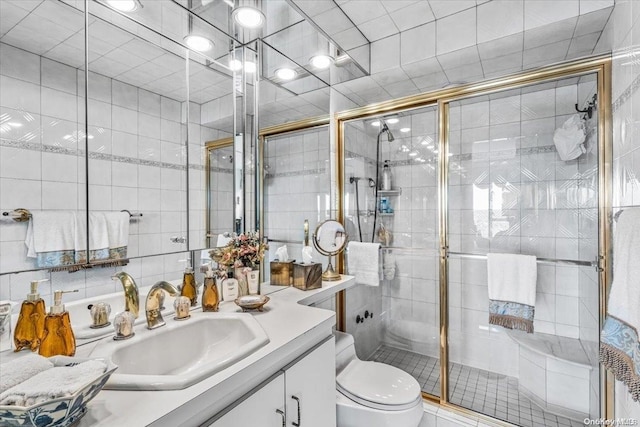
x: 310, y: 386
x: 264, y: 408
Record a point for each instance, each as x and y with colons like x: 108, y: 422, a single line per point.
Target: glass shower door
x: 509, y: 191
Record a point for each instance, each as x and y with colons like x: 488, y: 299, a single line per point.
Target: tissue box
x: 307, y: 276
x: 281, y: 273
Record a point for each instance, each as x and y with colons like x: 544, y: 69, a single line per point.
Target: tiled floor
x: 482, y: 391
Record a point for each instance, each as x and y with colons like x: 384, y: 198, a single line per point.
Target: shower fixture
x: 384, y: 129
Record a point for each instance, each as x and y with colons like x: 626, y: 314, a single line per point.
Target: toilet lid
x: 378, y: 385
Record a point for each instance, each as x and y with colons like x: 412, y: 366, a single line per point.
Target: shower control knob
x: 367, y: 314
x: 359, y: 319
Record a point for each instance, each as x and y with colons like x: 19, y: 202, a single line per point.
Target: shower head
x: 384, y: 129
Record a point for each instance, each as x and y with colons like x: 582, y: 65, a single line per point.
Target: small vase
x: 241, y: 277
x: 253, y: 278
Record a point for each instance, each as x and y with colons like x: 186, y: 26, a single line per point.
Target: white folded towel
x: 53, y: 383
x: 569, y: 138
x: 512, y: 290
x: 619, y: 342
x: 98, y: 237
x: 117, y: 234
x: 21, y: 369
x: 50, y: 238
x: 364, y: 262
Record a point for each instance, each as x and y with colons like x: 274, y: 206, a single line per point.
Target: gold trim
x: 605, y: 179
x: 295, y: 126
x: 218, y: 143
x: 443, y: 212
x: 341, y: 297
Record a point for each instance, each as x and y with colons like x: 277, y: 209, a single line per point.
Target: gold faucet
x: 131, y: 293
x: 152, y: 306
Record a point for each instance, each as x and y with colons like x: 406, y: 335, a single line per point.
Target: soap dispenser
x: 189, y: 289
x: 58, y: 337
x: 210, y: 297
x: 30, y: 326
x: 386, y: 176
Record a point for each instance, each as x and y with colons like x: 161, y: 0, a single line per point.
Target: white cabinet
x: 307, y: 388
x: 310, y: 387
x: 264, y: 408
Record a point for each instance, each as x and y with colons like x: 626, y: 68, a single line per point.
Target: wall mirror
x: 153, y: 101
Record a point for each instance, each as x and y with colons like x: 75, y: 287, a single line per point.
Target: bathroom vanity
x: 288, y: 379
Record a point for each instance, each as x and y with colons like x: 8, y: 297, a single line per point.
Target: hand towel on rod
x: 619, y: 343
x: 364, y: 262
x: 117, y: 235
x: 50, y: 238
x: 512, y: 290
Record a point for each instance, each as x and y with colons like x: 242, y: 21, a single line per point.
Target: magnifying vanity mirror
x: 330, y: 238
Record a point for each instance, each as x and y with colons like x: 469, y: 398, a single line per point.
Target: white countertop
x: 292, y: 328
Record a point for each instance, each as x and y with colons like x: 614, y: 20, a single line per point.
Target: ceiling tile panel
x: 361, y: 11
x: 378, y: 28
x: 558, y: 31
x: 538, y: 13
x: 442, y: 8
x: 412, y: 16
x: 500, y: 18
x: 456, y: 31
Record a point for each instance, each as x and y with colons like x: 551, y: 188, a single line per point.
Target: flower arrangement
x: 244, y: 250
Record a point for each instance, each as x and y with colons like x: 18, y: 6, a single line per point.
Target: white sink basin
x: 181, y: 354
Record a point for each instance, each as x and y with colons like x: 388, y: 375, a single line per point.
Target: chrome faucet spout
x: 131, y: 293
x: 152, y: 305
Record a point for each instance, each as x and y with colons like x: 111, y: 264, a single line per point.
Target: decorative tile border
x: 98, y: 156
x: 626, y: 95
x: 296, y: 173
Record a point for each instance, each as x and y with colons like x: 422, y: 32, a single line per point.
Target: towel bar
x: 23, y: 215
x: 539, y: 260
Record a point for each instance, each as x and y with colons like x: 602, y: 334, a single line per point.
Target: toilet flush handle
x: 296, y: 424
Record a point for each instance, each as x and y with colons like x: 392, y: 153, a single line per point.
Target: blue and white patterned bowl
x: 60, y: 412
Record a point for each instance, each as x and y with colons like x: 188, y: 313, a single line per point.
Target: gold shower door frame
x: 601, y: 66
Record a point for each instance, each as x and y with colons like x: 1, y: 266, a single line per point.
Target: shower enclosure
x: 476, y: 171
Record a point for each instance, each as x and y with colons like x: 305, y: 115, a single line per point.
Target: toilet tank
x: 345, y: 350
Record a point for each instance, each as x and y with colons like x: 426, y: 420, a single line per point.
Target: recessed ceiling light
x: 405, y: 130
x: 321, y: 61
x: 198, y: 43
x: 250, y: 67
x: 376, y: 123
x: 124, y: 5
x: 248, y: 17
x: 393, y: 120
x: 413, y: 153
x: 15, y: 124
x: 286, y: 73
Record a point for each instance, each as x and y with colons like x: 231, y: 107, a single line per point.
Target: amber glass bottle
x: 30, y: 326
x: 58, y: 339
x: 189, y: 286
x: 210, y: 297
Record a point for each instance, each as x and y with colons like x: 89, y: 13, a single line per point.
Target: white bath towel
x: 364, y: 262
x: 98, y: 237
x: 569, y: 138
x: 512, y: 290
x: 56, y: 382
x: 619, y: 343
x: 21, y: 369
x: 50, y: 238
x: 117, y: 234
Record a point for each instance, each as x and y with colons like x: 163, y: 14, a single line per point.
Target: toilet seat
x: 379, y: 386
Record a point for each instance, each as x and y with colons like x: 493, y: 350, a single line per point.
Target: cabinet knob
x: 297, y: 423
x: 284, y: 422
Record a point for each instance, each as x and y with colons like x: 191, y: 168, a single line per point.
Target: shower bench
x: 558, y: 373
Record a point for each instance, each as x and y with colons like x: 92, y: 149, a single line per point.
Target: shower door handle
x: 296, y: 423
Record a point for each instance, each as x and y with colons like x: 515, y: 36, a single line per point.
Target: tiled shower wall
x: 624, y: 30
x: 137, y: 162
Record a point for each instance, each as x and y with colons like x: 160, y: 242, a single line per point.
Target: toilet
x: 372, y: 394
